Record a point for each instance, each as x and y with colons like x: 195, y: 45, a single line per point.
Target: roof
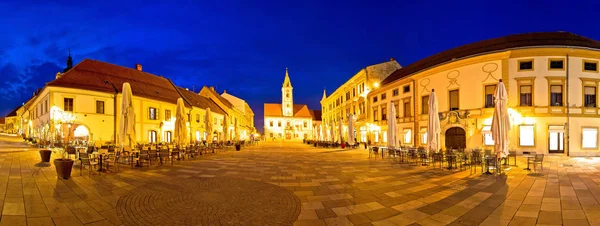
x: 199, y: 101
x: 316, y: 115
x: 2, y: 120
x: 92, y: 74
x: 13, y: 112
x: 494, y: 45
x: 300, y: 110
x: 286, y: 80
x: 218, y: 96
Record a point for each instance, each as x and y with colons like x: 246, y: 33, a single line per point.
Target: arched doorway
x: 455, y: 138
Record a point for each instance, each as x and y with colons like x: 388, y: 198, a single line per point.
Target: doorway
x: 455, y: 138
x: 556, y: 139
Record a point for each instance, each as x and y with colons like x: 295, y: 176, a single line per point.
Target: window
x: 279, y: 124
x: 383, y: 113
x: 395, y: 92
x: 375, y: 114
x: 167, y: 115
x: 425, y: 105
x: 556, y: 64
x: 354, y: 92
x: 348, y: 95
x: 152, y: 136
x: 287, y: 124
x: 489, y: 96
x: 556, y: 96
x: 526, y: 136
x: 197, y: 135
x: 168, y: 136
x: 374, y: 99
x: 305, y: 124
x: 99, y: 107
x: 197, y: 117
x: 271, y: 135
x: 152, y: 114
x: 68, y: 104
x: 423, y: 135
x: 287, y: 95
x: 405, y: 89
x: 590, y: 96
x: 590, y: 66
x: 407, y: 136
x: 525, y: 65
x: 453, y: 100
x: 525, y: 95
x: 397, y: 108
x: 271, y: 123
x: 487, y: 136
x: 589, y: 138
x: 383, y: 96
x: 406, y: 108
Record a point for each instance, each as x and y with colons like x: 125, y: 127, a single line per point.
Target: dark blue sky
x: 244, y: 46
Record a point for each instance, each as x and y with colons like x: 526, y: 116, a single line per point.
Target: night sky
x: 244, y: 47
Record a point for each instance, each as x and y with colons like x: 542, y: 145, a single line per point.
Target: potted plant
x: 238, y: 146
x: 343, y: 144
x: 45, y: 155
x: 63, y: 165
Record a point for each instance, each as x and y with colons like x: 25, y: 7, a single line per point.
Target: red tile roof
x: 199, y: 101
x: 2, y: 120
x: 316, y: 115
x: 300, y: 110
x: 13, y: 112
x: 217, y: 96
x: 494, y: 45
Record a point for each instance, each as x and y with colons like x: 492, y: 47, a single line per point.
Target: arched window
x: 152, y: 136
x: 197, y: 135
x: 167, y: 136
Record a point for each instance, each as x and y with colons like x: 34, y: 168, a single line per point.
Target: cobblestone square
x: 284, y: 183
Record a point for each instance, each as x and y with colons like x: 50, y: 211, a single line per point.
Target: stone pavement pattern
x: 334, y: 187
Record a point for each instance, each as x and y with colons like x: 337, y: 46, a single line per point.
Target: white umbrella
x: 235, y: 131
x: 433, y: 124
x: 340, y: 131
x: 208, y: 124
x: 501, y: 121
x: 225, y: 129
x: 351, y: 129
x: 331, y: 133
x: 180, y: 123
x: 391, y: 124
x: 127, y: 123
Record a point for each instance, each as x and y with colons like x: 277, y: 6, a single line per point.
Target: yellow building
x: 82, y: 103
x: 288, y: 121
x: 12, y: 122
x: 245, y: 116
x: 351, y: 98
x: 239, y: 114
x: 552, y: 79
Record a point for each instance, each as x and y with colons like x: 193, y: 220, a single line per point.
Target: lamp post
x: 114, y: 112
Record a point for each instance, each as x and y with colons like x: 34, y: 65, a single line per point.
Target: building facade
x: 351, y: 99
x: 287, y: 121
x: 552, y: 79
x: 82, y: 103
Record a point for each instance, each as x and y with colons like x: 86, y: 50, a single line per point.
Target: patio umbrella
x: 331, y: 133
x: 208, y: 124
x: 391, y: 124
x: 340, y: 132
x: 225, y: 129
x: 235, y: 131
x: 180, y: 123
x: 127, y: 122
x: 351, y: 130
x: 433, y: 124
x: 320, y: 134
x: 501, y: 121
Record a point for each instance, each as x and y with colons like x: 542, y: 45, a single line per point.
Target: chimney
x: 212, y: 88
x: 138, y: 67
x: 392, y: 59
x: 224, y: 91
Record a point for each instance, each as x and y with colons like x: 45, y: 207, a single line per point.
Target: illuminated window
x: 167, y: 115
x: 279, y: 124
x: 525, y: 95
x: 589, y: 138
x: 197, y: 135
x: 589, y: 96
x: 453, y: 100
x: 423, y: 135
x: 487, y: 136
x: 384, y: 136
x: 271, y: 123
x: 152, y: 136
x: 168, y: 136
x: 99, y: 107
x: 375, y: 114
x: 376, y: 136
x: 526, y: 136
x: 305, y: 124
x: 152, y: 114
x: 556, y: 95
x: 407, y: 136
x: 489, y: 96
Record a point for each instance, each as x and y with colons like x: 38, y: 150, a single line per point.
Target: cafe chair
x: 86, y: 160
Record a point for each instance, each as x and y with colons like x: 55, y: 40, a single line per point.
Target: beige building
x: 552, y: 79
x: 12, y: 122
x: 238, y: 114
x: 351, y: 98
x: 246, y: 119
x: 87, y: 97
x: 288, y: 121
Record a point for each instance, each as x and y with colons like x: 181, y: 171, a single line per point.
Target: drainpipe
x: 186, y: 101
x: 415, y: 123
x: 114, y: 111
x: 568, y: 112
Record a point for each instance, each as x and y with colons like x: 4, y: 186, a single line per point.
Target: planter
x: 343, y: 145
x: 315, y: 144
x: 45, y: 155
x: 238, y: 147
x: 63, y: 168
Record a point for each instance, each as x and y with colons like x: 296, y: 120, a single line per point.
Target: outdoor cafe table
x: 528, y: 157
x: 382, y: 149
x: 487, y: 163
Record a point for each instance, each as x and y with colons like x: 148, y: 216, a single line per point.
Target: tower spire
x: 286, y: 81
x: 69, y: 62
x: 324, y: 94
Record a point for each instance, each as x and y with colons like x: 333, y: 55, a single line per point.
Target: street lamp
x: 114, y: 111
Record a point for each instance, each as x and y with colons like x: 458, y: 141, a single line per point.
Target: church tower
x: 287, y: 98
